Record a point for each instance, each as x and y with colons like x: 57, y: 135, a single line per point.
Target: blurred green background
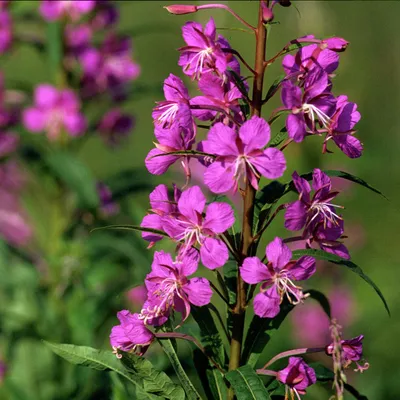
x: 369, y: 74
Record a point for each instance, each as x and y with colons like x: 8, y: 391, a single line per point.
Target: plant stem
x: 239, y: 311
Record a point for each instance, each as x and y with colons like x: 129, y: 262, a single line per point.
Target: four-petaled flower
x: 53, y: 10
x: 308, y: 212
x: 169, y: 288
x: 297, y: 377
x: 277, y: 278
x: 241, y: 156
x: 190, y: 227
x: 131, y: 335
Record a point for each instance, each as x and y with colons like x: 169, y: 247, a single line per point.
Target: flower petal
x: 266, y: 304
x: 255, y: 134
x: 198, y: 291
x: 188, y: 262
x: 349, y: 144
x: 213, y: 253
x: 34, y: 120
x: 296, y: 127
x: 295, y: 216
x: 192, y: 203
x: 158, y: 165
x: 278, y: 253
x: 221, y: 140
x: 303, y: 269
x: 291, y: 95
x: 219, y: 177
x: 219, y: 217
x: 152, y: 221
x: 253, y: 271
x: 271, y: 163
x: 159, y: 199
x: 175, y: 89
x: 302, y: 186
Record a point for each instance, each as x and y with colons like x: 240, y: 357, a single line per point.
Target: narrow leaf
x: 247, y: 384
x: 322, y: 300
x: 187, y: 384
x: 131, y: 228
x: 191, y: 153
x: 323, y: 255
x: 274, y: 87
x: 278, y: 138
x: 260, y: 332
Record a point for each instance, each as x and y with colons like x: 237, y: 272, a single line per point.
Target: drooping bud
x: 335, y: 44
x: 267, y: 13
x: 181, y: 9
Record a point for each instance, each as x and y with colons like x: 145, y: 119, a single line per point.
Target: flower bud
x: 181, y: 9
x: 267, y: 13
x: 336, y: 44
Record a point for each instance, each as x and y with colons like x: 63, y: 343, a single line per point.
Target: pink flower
x: 108, y: 206
x: 5, y: 31
x: 137, y: 296
x: 241, y: 156
x: 351, y: 349
x: 54, y: 111
x: 191, y: 226
x: 170, y: 289
x: 53, y: 10
x: 131, y: 334
x: 115, y: 126
x: 297, y: 376
x: 277, y: 277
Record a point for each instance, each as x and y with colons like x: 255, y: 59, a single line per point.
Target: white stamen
x: 325, y: 209
x: 316, y: 113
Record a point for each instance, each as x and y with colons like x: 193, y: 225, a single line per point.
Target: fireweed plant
x: 237, y: 150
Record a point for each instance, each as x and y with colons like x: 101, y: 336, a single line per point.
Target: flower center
x: 326, y: 210
x: 316, y: 113
x: 168, y: 113
x: 286, y: 286
x: 191, y: 235
x: 55, y: 123
x: 200, y: 59
x: 240, y: 168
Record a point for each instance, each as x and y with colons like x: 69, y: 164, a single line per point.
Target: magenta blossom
x: 217, y: 93
x: 241, y: 155
x: 351, y: 350
x: 136, y: 296
x: 3, y: 370
x: 341, y: 128
x: 115, y: 126
x: 8, y: 143
x: 277, y: 278
x: 106, y: 15
x: 5, y: 31
x: 77, y: 38
x: 53, y: 10
x: 297, y: 377
x: 108, y: 207
x: 54, y: 111
x: 176, y: 106
x: 170, y: 289
x: 204, y: 52
x: 190, y: 226
x: 316, y: 104
x: 177, y: 138
x: 131, y: 335
x: 161, y: 206
x: 308, y: 212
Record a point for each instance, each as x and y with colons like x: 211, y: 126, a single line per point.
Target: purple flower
x: 204, y: 52
x: 8, y: 143
x: 77, y: 38
x: 3, y: 370
x: 108, y: 206
x: 115, y: 126
x: 311, y: 58
x: 106, y: 15
x: 53, y: 10
x: 136, y: 296
x: 109, y: 67
x: 340, y: 128
x: 131, y: 334
x: 351, y: 349
x: 177, y: 138
x: 170, y: 289
x: 327, y: 235
x: 315, y: 104
x: 241, y: 155
x: 220, y: 93
x: 277, y: 278
x: 54, y: 111
x: 297, y: 376
x: 161, y: 206
x: 308, y: 212
x: 5, y: 31
x: 190, y: 226
x: 176, y: 106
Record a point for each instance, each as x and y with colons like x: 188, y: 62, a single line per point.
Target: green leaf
x: 74, y: 174
x: 354, y: 392
x: 247, y: 384
x: 323, y: 255
x: 322, y: 300
x: 260, y: 332
x: 274, y: 87
x: 239, y: 82
x: 278, y: 138
x: 191, y: 153
x: 210, y: 336
x: 187, y: 384
x: 131, y: 228
x: 148, y: 381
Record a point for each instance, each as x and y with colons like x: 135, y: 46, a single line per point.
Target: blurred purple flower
x: 136, y: 297
x: 297, y: 376
x: 54, y: 111
x: 3, y: 370
x: 170, y: 289
x: 77, y: 38
x: 131, y: 334
x: 115, y: 126
x: 53, y: 10
x: 351, y: 349
x: 191, y: 226
x: 106, y: 15
x: 5, y: 31
x: 277, y: 277
x: 109, y: 67
x: 8, y: 143
x: 108, y: 207
x: 241, y: 156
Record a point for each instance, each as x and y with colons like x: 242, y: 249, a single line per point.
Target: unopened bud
x: 180, y: 9
x: 267, y: 13
x: 336, y: 44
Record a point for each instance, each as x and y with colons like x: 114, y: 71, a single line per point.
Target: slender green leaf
x: 354, y: 392
x: 246, y: 384
x: 191, y: 153
x: 322, y: 300
x: 260, y: 332
x: 323, y: 255
x: 187, y: 384
x: 274, y: 87
x: 75, y: 175
x: 131, y: 228
x: 278, y: 138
